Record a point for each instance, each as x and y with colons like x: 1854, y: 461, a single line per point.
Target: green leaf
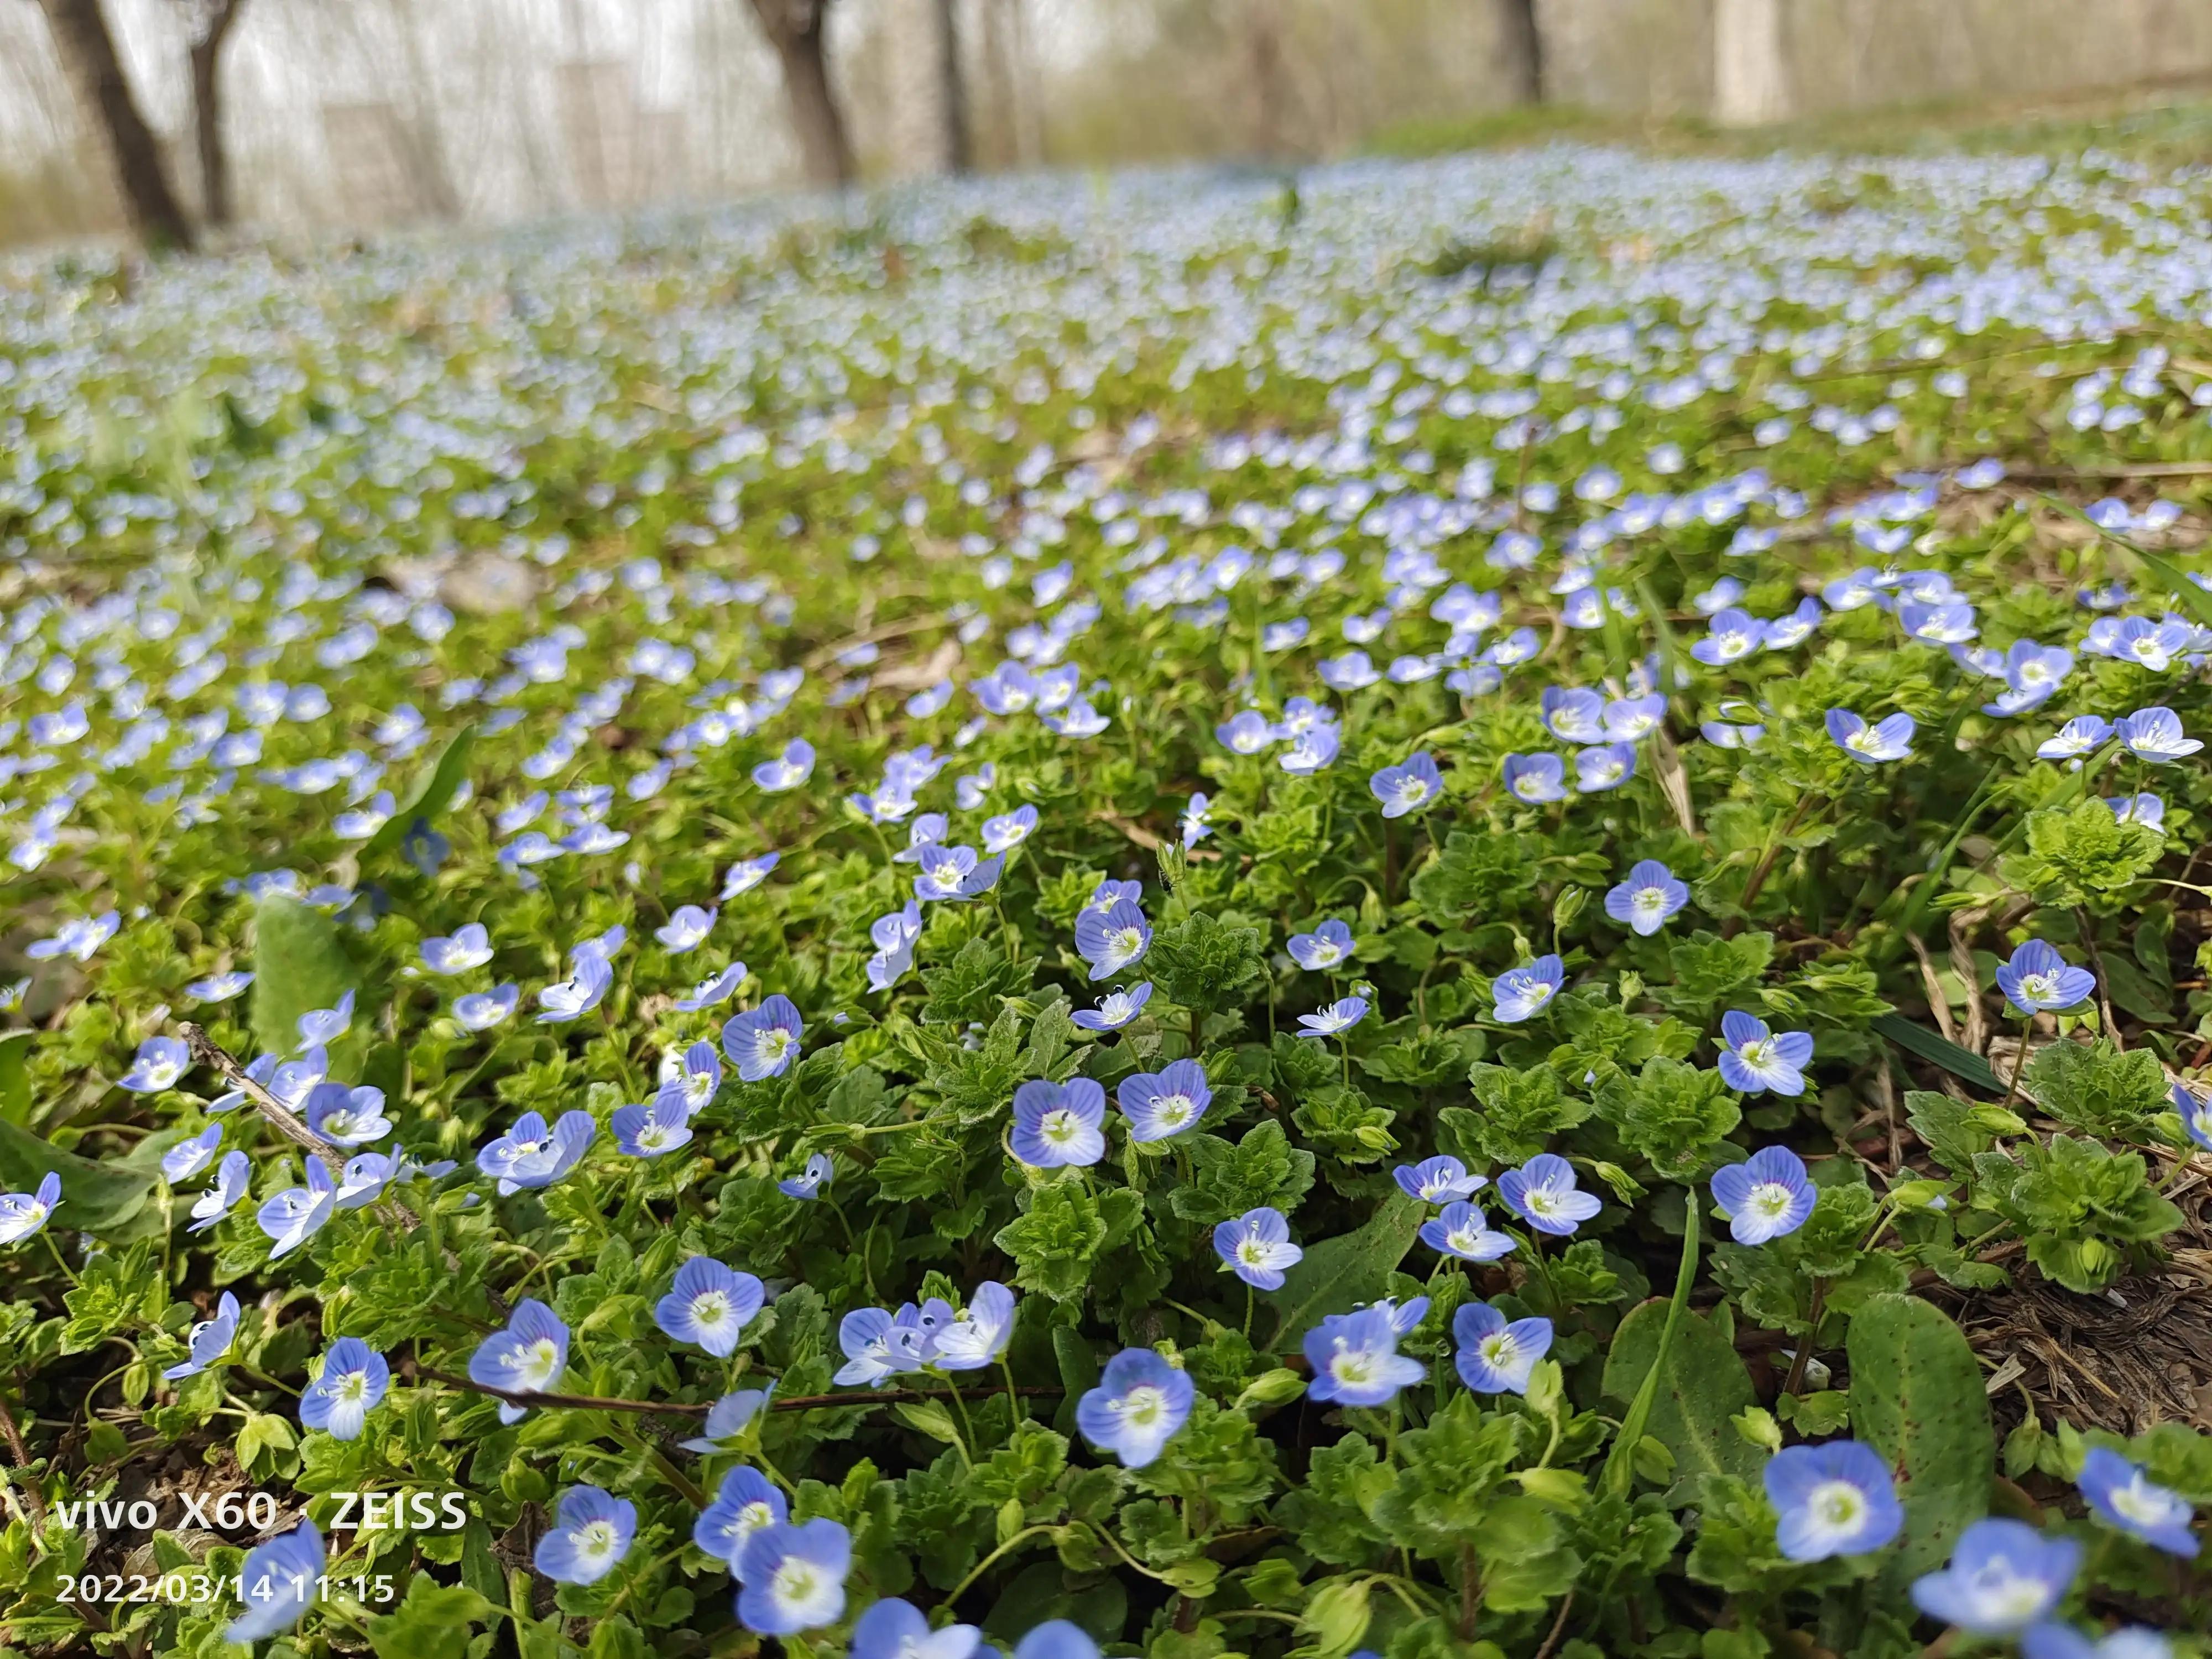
x: 1916, y: 1398
x: 1350, y: 1268
x: 300, y: 964
x: 1703, y: 1387
x: 431, y: 795
x: 96, y: 1198
x: 1939, y: 1050
x: 15, y: 1078
x: 426, y: 1624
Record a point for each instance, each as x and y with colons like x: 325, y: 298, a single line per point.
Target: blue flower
x: 531, y: 1155
x: 232, y: 1177
x: 745, y: 1501
x: 1536, y: 779
x: 219, y: 988
x: 2004, y: 1576
x: 1141, y: 1403
x: 763, y: 1041
x: 794, y: 1576
x: 2154, y: 735
x: 1542, y: 1192
x: 1008, y: 830
x: 1115, y: 1009
x: 660, y: 1125
x: 1058, y: 1124
x: 1339, y: 1015
x: 479, y: 1011
x: 746, y: 874
x: 1194, y: 826
x: 188, y: 1158
x: 709, y: 1304
x: 1833, y: 1499
x: 1406, y: 788
x: 808, y: 1184
x: 879, y: 1346
x: 728, y: 1418
x: 2052, y: 1640
x: 1459, y: 1230
x: 1355, y: 1358
x: 2124, y: 1497
x: 1161, y: 1103
x: 1057, y: 1638
x: 1754, y: 1060
x: 209, y: 1341
x: 693, y: 1076
x: 2145, y: 808
x: 353, y: 1381
x: 1437, y: 1179
x: 1647, y: 898
x: 1257, y: 1248
x: 687, y: 925
x: 787, y: 770
x: 1496, y: 1356
x: 1733, y: 635
x: 716, y: 987
x: 346, y: 1116
x: 1521, y: 992
x: 318, y: 1026
x: 1765, y: 1197
x: 1606, y: 766
x: 591, y: 1532
x: 278, y: 1581
x: 298, y: 1213
x: 468, y: 947
x: 1573, y: 714
x: 952, y: 873
x: 589, y: 976
x: 2079, y: 735
x: 1246, y: 732
x: 1869, y: 745
x: 2196, y: 1116
x: 893, y: 1629
x: 161, y: 1060
x: 1327, y: 946
x: 978, y: 1337
x: 2038, y: 981
x: 1113, y: 940
x: 528, y: 1357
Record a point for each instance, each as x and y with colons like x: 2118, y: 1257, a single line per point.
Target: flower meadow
x: 1436, y: 913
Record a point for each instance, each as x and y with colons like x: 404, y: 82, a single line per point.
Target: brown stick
x: 1558, y: 1625
x: 21, y: 1454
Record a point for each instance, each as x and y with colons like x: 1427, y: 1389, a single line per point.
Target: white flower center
x: 711, y: 1309
x: 596, y: 1539
x: 1771, y: 1198
x: 1500, y: 1350
x: 1837, y: 1505
x: 1143, y: 1406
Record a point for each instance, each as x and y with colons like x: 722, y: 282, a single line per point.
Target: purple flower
x: 2079, y: 735
x: 531, y: 1155
x: 591, y: 1532
x: 794, y: 1576
x: 479, y: 1011
x: 1536, y: 779
x: 746, y: 1502
x: 1606, y: 766
x: 1765, y: 1197
x: 1246, y: 732
x: 2155, y: 735
x: 526, y: 1358
x: 1257, y: 1248
x: 589, y: 976
x: 354, y: 1379
x: 1164, y: 1103
x: 1338, y: 1016
x: 277, y: 1582
x: 160, y: 1061
x: 809, y: 1182
x: 787, y: 770
x: 1058, y: 1124
x: 714, y: 988
x: 685, y: 928
x: 467, y: 947
x: 952, y: 873
x: 709, y: 1304
x: 894, y: 1629
x: 1833, y: 1499
x: 209, y: 1341
x: 2038, y: 981
x: 1542, y: 1192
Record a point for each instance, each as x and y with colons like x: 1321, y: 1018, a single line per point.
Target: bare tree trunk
x: 88, y: 53
x: 1028, y: 98
x: 215, y: 204
x: 1751, y: 74
x: 952, y: 89
x: 1263, y: 47
x: 1521, y: 45
x: 795, y: 28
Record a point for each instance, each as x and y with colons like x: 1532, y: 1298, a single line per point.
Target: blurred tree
x: 211, y: 21
x: 795, y: 28
x: 952, y: 93
x: 1520, y: 43
x: 86, y: 51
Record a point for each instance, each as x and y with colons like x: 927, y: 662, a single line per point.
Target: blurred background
x: 193, y: 121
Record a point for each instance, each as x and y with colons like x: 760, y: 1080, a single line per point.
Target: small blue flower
x: 953, y: 873
x: 787, y: 770
x: 528, y: 1357
x: 763, y: 1041
x: 219, y: 988
x: 298, y: 1213
x: 591, y: 1532
x: 1543, y: 1193
x: 893, y: 1629
x: 209, y: 1341
x: 479, y: 1011
x: 2124, y: 1497
x: 659, y: 1125
x: 879, y: 1346
x: 320, y: 1026
x: 2078, y: 736
x: 1324, y: 948
x: 278, y: 1581
x: 1356, y: 1361
x: 2196, y: 1115
x: 531, y: 1155
x: 1522, y: 992
x: 978, y: 1338
x: 468, y: 947
x: 232, y: 1177
x: 161, y: 1060
x: 1196, y: 828
x: 709, y: 1304
x: 1257, y: 1248
x: 1407, y: 788
x: 1437, y: 1179
x: 1833, y: 1499
x: 1008, y: 830
x: 2052, y: 1640
x: 1057, y: 1125
x: 1573, y: 714
x: 1459, y: 1230
x: 1113, y: 940
x: 353, y: 1381
x: 2003, y: 1576
x: 1754, y: 1060
x: 188, y: 1158
x: 1246, y: 732
x: 589, y: 976
x: 2038, y: 981
x: 1606, y: 766
x: 1338, y: 1016
x: 1869, y: 745
x: 728, y: 1418
x: 693, y: 1076
x: 809, y: 1181
x: 1536, y: 779
x: 2154, y: 735
x: 1115, y: 1009
x: 716, y: 987
x: 1057, y: 1638
x: 345, y: 1117
x: 1734, y: 635
x: 1498, y: 1356
x: 686, y: 927
x: 1141, y: 1403
x: 745, y: 1501
x: 794, y: 1576
x: 746, y: 874
x: 1163, y: 1103
x: 1767, y: 1197
x: 1647, y: 898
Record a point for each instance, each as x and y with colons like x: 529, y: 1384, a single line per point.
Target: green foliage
x: 1916, y: 1398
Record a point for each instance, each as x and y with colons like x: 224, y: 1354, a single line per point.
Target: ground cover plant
x: 1456, y: 912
